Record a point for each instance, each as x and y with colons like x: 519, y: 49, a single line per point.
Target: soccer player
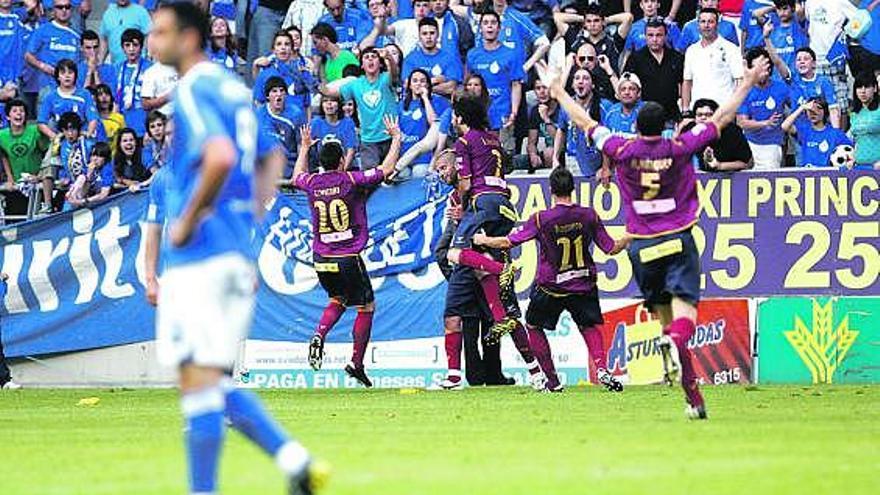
x: 658, y: 187
x: 338, y: 200
x: 207, y: 297
x: 566, y: 275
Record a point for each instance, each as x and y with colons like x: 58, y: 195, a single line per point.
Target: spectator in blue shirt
x: 129, y: 78
x: 690, y: 33
x: 92, y: 71
x: 286, y: 63
x: 11, y: 48
x: 281, y: 120
x: 128, y: 159
x: 806, y: 83
x: 66, y: 97
x: 501, y: 69
x: 418, y: 111
x: 351, y: 25
x: 620, y: 117
x: 750, y: 26
x: 332, y: 125
x: 571, y: 140
x: 443, y: 65
x: 222, y: 48
x: 52, y: 42
x: 783, y: 32
x: 156, y: 142
x: 94, y: 183
x: 74, y: 149
x: 816, y: 138
x: 456, y: 33
x: 761, y: 114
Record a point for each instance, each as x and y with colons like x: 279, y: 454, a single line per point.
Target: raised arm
x: 727, y: 112
x: 302, y: 159
x: 788, y: 124
x: 394, y: 152
x: 554, y: 80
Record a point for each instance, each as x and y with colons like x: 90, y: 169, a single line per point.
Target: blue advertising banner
x: 76, y: 279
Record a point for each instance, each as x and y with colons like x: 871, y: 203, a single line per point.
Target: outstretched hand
x: 305, y: 137
x: 760, y: 68
x: 551, y: 76
x: 391, y: 126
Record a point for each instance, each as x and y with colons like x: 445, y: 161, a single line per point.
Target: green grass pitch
x: 773, y: 440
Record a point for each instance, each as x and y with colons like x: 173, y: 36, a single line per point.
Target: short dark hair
x: 89, y: 35
x: 102, y: 149
x: 282, y: 33
x: 352, y: 70
x: 15, y: 102
x: 714, y: 12
x: 132, y: 34
x: 490, y: 13
x: 809, y: 51
x: 706, y: 102
x: 65, y: 64
x: 561, y: 182
x: 324, y: 30
x: 69, y: 119
x: 155, y: 115
x: 651, y: 119
x: 429, y: 21
x: 756, y: 53
x: 591, y: 9
x: 783, y: 3
x: 190, y: 16
x: 330, y: 155
x: 472, y: 111
x: 272, y: 83
x: 657, y: 22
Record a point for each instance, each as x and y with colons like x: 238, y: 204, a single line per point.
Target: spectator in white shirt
x: 713, y: 67
x: 158, y: 84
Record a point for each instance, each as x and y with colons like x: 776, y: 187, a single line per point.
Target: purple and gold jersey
x: 479, y: 157
x: 564, y: 234
x: 339, y: 209
x: 656, y: 178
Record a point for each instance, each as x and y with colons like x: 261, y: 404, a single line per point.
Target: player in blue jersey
x: 215, y: 186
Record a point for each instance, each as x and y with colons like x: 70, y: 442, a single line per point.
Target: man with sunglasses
x: 52, y: 42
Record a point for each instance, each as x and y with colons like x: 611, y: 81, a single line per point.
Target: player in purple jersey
x: 482, y: 188
x: 566, y: 275
x: 338, y: 200
x: 658, y: 186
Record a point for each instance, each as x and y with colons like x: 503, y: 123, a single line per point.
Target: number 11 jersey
x: 338, y: 201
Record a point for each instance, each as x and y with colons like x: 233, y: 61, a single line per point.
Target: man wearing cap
x: 620, y: 117
x: 662, y: 66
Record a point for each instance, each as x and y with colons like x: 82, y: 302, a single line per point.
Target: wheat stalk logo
x: 822, y: 348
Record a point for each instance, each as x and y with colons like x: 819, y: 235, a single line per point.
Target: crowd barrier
x: 790, y: 275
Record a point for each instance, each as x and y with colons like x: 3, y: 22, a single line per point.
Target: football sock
x: 292, y: 457
x: 203, y: 415
x: 541, y: 348
x: 479, y: 261
x: 363, y: 323
x: 492, y: 292
x: 247, y: 415
x: 521, y: 341
x: 681, y: 331
x: 453, y: 351
x: 331, y: 315
x: 595, y: 346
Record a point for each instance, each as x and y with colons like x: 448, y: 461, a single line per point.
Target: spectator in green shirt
x: 331, y: 59
x: 22, y: 144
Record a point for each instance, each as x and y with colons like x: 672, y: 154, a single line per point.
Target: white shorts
x: 766, y: 156
x: 204, y: 312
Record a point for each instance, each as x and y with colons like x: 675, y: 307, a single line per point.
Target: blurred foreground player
x: 566, y: 275
x: 338, y: 200
x: 207, y: 297
x: 658, y: 186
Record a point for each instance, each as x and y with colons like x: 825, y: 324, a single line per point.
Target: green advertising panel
x: 819, y: 340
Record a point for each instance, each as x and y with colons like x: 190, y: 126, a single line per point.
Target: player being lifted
x: 483, y: 190
x: 658, y: 186
x: 338, y: 200
x: 566, y: 275
x: 207, y: 297
x: 464, y: 299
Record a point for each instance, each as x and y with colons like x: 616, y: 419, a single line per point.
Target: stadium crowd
x: 86, y: 110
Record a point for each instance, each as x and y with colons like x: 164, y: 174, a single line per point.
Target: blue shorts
x: 490, y: 212
x: 463, y: 296
x: 667, y: 266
